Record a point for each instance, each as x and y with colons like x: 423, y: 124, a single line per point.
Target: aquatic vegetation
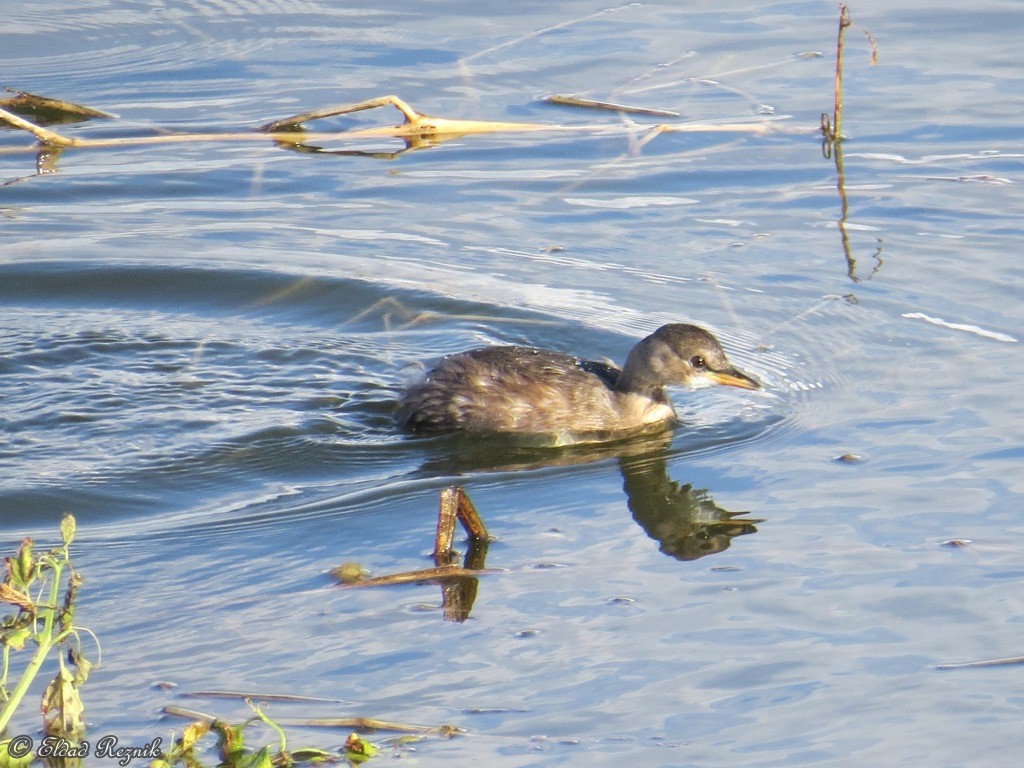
x: 233, y: 752
x: 33, y: 585
x: 42, y: 590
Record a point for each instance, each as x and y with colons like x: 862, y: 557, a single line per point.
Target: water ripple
x: 176, y: 388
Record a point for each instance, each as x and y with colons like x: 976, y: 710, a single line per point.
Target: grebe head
x: 679, y: 354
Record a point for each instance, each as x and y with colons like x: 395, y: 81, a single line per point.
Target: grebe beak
x: 733, y: 378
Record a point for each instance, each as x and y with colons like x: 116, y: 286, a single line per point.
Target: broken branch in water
x: 458, y: 582
x: 416, y: 124
x: 417, y: 129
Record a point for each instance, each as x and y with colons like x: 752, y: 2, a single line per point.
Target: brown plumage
x: 527, y: 391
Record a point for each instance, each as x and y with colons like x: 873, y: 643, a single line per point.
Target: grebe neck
x: 641, y: 374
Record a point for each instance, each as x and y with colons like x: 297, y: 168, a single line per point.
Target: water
x: 201, y: 345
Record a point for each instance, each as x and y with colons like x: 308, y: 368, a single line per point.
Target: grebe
x: 527, y: 391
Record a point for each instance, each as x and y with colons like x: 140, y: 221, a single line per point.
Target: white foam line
x: 960, y: 327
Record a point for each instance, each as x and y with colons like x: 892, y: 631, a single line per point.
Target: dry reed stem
x: 44, y: 135
x: 291, y: 698
x: 833, y: 130
x: 578, y: 101
x: 837, y: 114
x: 365, y: 724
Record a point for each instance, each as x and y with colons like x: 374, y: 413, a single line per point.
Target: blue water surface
x: 201, y: 346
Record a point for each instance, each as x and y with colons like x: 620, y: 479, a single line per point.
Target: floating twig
x: 369, y: 724
x: 578, y: 101
x: 364, y: 723
x: 458, y: 582
x: 437, y: 574
x: 416, y: 124
x: 188, y: 714
x: 257, y: 696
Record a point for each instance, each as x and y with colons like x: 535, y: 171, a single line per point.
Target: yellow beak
x: 734, y: 378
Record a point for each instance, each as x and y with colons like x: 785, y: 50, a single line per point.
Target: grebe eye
x: 698, y: 362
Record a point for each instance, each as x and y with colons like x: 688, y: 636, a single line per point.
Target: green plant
x: 233, y: 751
x: 33, y: 584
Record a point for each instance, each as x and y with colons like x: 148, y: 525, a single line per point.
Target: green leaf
x: 21, y: 568
x: 359, y: 750
x: 62, y: 708
x: 17, y: 637
x: 259, y: 759
x: 230, y: 741
x: 194, y: 733
x: 313, y: 755
x: 82, y: 666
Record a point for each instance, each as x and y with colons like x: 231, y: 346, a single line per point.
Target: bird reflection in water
x: 686, y: 522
